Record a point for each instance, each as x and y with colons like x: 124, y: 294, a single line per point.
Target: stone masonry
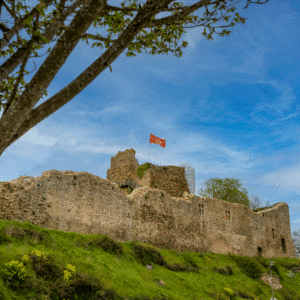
x: 85, y: 203
x: 123, y: 166
x: 170, y: 179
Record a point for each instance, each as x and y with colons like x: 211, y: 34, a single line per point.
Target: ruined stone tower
x: 126, y: 172
x: 122, y: 166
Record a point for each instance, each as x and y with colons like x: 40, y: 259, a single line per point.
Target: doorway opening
x: 259, y: 252
x: 283, y: 247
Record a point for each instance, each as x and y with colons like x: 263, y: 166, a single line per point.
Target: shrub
x: 14, y: 271
x: 189, y: 259
x: 229, y: 292
x: 3, y: 292
x: 68, y: 274
x: 291, y: 275
x: 248, y: 265
x: 3, y: 237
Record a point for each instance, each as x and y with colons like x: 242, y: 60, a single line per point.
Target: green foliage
x: 129, y: 190
x: 263, y: 208
x: 188, y: 258
x: 229, y: 292
x: 4, y: 295
x: 225, y: 189
x: 291, y: 275
x: 78, y: 252
x: 68, y: 274
x: 142, y: 168
x: 158, y: 39
x: 57, y: 273
x: 14, y: 271
x: 147, y: 255
x: 3, y: 237
x: 249, y: 266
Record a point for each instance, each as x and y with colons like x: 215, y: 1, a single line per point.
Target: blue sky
x: 230, y: 107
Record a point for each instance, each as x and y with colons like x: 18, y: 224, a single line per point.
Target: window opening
x: 283, y: 245
x: 273, y: 233
x: 201, y: 209
x: 227, y: 215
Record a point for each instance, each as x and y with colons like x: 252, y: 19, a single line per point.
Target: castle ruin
x: 159, y: 211
x: 125, y: 171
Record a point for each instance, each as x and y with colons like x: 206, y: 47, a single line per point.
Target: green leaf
x: 35, y: 46
x: 37, y: 33
x: 45, y: 40
x: 41, y: 10
x: 27, y: 21
x: 184, y: 44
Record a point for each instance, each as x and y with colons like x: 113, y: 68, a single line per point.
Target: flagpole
x: 149, y: 149
x: 158, y: 141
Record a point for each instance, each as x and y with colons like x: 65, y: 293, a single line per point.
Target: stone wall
x: 170, y: 179
x: 85, y: 203
x: 123, y: 166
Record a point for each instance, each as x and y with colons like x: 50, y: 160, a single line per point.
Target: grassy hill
x: 36, y: 263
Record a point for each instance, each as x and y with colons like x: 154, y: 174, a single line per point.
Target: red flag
x: 155, y: 140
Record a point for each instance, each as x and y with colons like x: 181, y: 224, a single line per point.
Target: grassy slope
x: 106, y: 269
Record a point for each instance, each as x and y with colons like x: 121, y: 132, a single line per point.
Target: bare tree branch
x: 249, y: 1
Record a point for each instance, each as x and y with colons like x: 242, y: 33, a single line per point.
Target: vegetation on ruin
x: 142, y: 169
x: 263, y: 208
x: 37, y: 263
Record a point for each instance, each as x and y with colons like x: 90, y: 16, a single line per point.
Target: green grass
x: 106, y: 269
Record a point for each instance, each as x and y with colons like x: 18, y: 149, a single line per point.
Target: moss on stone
x: 263, y: 208
x: 142, y: 168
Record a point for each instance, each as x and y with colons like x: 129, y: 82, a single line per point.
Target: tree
x: 255, y: 203
x: 296, y: 241
x: 143, y: 31
x: 230, y: 190
x: 227, y: 189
